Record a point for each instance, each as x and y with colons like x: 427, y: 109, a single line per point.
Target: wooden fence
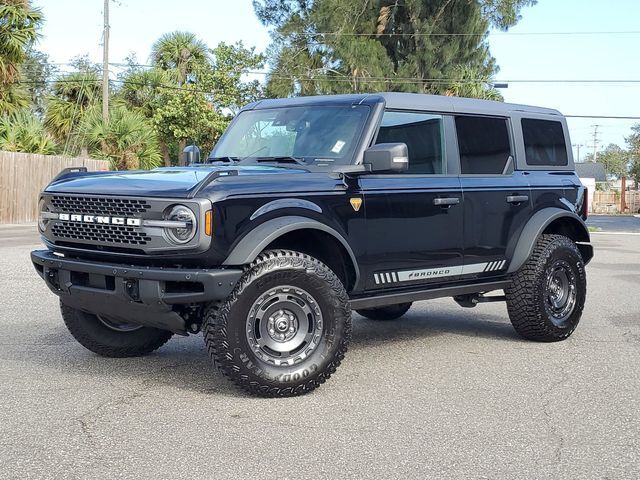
x: 609, y: 202
x: 23, y: 176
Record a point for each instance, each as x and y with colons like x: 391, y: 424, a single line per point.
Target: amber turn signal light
x: 208, y: 223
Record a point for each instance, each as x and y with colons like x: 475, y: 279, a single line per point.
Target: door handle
x: 517, y: 198
x: 446, y: 202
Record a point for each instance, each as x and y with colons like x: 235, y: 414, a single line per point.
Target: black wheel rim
x: 284, y: 326
x: 118, y: 326
x: 561, y: 292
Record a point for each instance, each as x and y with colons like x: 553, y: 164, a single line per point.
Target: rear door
x: 414, y: 220
x: 497, y: 201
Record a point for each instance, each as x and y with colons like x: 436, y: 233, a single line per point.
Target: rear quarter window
x: 544, y: 143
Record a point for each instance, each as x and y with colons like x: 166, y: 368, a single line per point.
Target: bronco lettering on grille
x: 73, y: 217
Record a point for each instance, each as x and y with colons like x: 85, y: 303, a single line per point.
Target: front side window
x: 423, y: 134
x: 544, y: 143
x: 484, y: 145
x: 326, y: 134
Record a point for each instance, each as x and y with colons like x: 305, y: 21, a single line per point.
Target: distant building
x: 593, y: 170
x: 591, y: 173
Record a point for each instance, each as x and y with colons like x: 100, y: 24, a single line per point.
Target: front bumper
x: 129, y: 293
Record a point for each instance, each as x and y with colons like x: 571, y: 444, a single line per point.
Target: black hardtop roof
x: 408, y: 101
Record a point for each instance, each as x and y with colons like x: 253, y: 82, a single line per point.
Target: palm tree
x: 141, y: 91
x: 73, y: 94
x: 19, y: 24
x: 472, y: 83
x: 24, y: 132
x: 180, y: 51
x: 126, y: 138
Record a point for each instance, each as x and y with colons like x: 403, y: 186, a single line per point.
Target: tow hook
x: 132, y: 289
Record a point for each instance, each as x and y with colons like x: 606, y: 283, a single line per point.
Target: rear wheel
x: 388, y: 312
x: 111, y: 338
x: 547, y: 295
x: 285, y: 328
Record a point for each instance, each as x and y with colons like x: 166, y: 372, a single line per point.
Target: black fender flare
x: 534, y: 228
x: 250, y: 246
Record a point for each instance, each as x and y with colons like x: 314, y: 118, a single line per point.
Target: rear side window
x: 484, y: 145
x: 544, y: 143
x: 423, y: 134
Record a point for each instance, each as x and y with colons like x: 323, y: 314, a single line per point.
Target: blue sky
x: 74, y: 27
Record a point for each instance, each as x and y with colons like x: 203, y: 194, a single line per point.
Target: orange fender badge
x: 356, y: 203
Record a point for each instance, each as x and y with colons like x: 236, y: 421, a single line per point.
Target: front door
x: 414, y: 220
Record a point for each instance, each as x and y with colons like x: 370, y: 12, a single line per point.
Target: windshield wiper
x: 281, y: 159
x: 223, y: 159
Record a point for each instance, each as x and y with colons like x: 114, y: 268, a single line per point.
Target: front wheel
x: 110, y: 338
x: 547, y: 295
x: 285, y: 328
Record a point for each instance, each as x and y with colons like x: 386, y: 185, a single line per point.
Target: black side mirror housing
x: 191, y: 154
x: 387, y: 157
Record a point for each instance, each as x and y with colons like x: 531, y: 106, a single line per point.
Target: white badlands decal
x: 411, y: 275
x: 75, y: 217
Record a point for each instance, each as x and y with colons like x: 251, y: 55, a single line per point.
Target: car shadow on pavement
x: 369, y: 333
x: 183, y: 362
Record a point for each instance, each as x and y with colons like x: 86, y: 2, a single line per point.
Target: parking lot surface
x: 444, y: 392
x: 615, y: 223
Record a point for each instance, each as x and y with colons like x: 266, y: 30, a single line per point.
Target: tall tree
x: 180, y: 51
x: 615, y: 160
x: 633, y: 142
x: 19, y: 24
x: 72, y: 95
x: 36, y: 72
x: 192, y: 103
x: 329, y: 46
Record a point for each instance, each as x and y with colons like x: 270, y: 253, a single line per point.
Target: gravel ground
x: 444, y: 392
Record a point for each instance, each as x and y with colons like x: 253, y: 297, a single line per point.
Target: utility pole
x: 595, y: 142
x: 578, y: 146
x: 105, y: 65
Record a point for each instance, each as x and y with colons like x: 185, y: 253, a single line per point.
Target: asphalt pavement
x: 444, y: 392
x: 615, y: 223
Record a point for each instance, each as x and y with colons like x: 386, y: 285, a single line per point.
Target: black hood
x: 177, y: 182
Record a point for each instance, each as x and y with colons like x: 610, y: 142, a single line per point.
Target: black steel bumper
x: 131, y: 293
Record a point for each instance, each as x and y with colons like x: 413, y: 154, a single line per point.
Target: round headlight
x: 42, y: 220
x: 181, y: 234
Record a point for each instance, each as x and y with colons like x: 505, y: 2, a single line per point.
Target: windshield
x: 311, y: 134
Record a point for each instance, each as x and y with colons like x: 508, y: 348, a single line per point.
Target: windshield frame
x: 362, y: 136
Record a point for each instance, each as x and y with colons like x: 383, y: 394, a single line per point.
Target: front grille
x: 100, y: 206
x: 101, y: 233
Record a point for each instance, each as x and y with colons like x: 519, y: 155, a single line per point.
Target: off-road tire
x: 527, y: 297
x: 92, y: 334
x: 226, y: 323
x: 388, y: 312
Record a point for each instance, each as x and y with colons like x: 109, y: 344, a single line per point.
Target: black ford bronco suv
x: 310, y: 207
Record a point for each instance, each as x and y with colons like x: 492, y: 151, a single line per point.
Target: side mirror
x: 191, y: 154
x: 387, y: 157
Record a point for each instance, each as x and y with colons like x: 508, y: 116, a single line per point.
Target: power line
x: 461, y: 34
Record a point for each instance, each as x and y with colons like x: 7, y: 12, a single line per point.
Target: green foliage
x: 180, y: 51
x: 615, y: 160
x: 19, y: 24
x: 24, y: 132
x: 633, y: 142
x: 36, y: 71
x: 127, y: 139
x: 336, y: 46
x: 73, y: 94
x: 198, y: 109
